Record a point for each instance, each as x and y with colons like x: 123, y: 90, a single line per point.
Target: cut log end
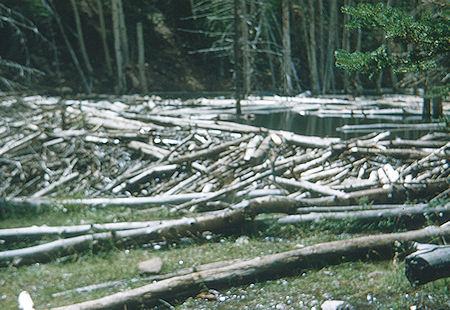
x: 428, y: 265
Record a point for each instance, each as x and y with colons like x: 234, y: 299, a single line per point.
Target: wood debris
x: 145, y: 151
x: 53, y: 147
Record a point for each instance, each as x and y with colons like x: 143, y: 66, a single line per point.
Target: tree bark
x: 83, y: 50
x: 287, y: 60
x: 366, y: 215
x: 141, y: 57
x: 346, y: 46
x: 123, y: 33
x: 266, y: 267
x: 429, y: 263
x: 321, y: 45
x: 313, y: 67
x: 101, y: 17
x: 436, y: 104
x: 328, y: 80
x: 241, y: 70
x: 392, y: 74
x: 121, y: 80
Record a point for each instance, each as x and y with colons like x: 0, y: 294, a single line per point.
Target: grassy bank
x: 366, y: 285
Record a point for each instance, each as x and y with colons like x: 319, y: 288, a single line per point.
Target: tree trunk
x: 104, y: 40
x: 141, y: 57
x: 121, y: 81
x: 246, y: 63
x: 123, y: 33
x: 313, y: 67
x: 240, y: 27
x: 346, y: 46
x: 83, y: 50
x: 321, y: 44
x: 270, y: 60
x: 429, y: 263
x: 328, y: 80
x: 286, y: 70
x: 356, y: 78
x: 436, y: 104
x: 426, y: 107
x: 303, y: 13
x: 392, y: 75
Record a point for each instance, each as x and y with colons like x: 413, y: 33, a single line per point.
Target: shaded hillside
x: 287, y: 46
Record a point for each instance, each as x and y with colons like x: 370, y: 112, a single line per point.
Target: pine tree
x: 428, y: 35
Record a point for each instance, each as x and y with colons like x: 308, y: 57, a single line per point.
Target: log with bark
x: 170, y: 230
x: 430, y: 262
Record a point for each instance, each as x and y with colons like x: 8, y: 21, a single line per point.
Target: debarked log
x: 38, y: 232
x: 431, y: 262
x: 28, y: 203
x: 48, y: 251
x: 317, y: 188
x: 259, y: 268
x: 368, y: 215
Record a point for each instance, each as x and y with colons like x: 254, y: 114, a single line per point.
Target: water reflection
x: 313, y: 125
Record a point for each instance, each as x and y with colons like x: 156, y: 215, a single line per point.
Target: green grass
x: 351, y: 281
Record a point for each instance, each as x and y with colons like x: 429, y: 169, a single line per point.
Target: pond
x: 313, y: 125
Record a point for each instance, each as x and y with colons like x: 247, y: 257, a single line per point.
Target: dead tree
x: 121, y: 80
x: 240, y: 43
x: 84, y: 54
x: 101, y: 17
x: 287, y: 61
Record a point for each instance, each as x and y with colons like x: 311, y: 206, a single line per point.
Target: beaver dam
x: 212, y: 174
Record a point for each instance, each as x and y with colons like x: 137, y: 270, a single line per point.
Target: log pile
x: 144, y: 151
x: 52, y: 148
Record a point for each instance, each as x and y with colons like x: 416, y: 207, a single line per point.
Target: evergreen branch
x: 430, y: 31
x: 368, y: 62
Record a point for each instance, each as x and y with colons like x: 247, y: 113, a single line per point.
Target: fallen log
x: 398, y: 153
x: 148, y: 149
x: 313, y: 187
x: 145, y: 173
x: 305, y: 210
x: 367, y: 215
x: 208, y: 152
x: 151, y: 231
x: 169, y: 230
x: 128, y: 201
x: 308, y: 141
x: 388, y: 126
x: 54, y: 185
x: 38, y: 232
x: 431, y: 262
x: 435, y: 154
x: 181, y: 272
x: 48, y: 251
x: 226, y: 190
x: 15, y: 145
x: 266, y: 267
x: 179, y: 121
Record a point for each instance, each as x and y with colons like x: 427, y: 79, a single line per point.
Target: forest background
x: 107, y: 46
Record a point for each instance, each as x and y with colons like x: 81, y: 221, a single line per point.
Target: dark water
x: 312, y: 125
